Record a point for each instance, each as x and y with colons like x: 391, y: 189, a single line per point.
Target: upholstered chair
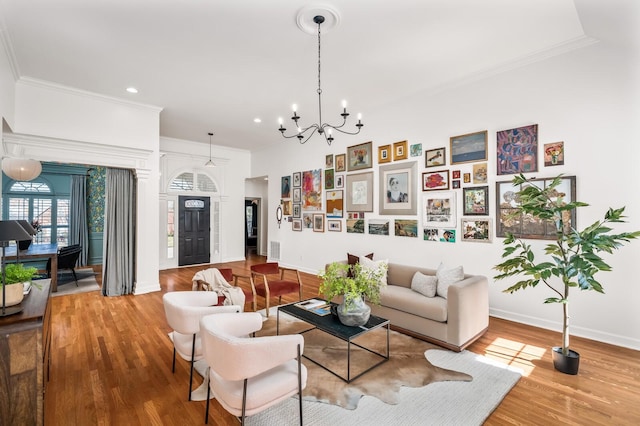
x: 250, y: 374
x: 183, y: 310
x: 268, y: 280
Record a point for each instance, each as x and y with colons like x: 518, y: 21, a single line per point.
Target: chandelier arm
x: 315, y: 129
x: 344, y: 131
x: 302, y: 131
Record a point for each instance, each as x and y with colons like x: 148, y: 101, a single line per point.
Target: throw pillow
x: 352, y: 259
x: 424, y: 284
x: 368, y: 264
x: 447, y: 276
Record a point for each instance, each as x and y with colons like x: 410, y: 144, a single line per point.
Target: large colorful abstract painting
x: 517, y: 150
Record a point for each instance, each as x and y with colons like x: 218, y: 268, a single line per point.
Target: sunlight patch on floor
x: 516, y: 354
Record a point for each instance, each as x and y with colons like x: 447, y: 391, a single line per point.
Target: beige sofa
x: 454, y: 322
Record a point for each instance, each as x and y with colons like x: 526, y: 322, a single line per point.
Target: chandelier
x: 325, y: 129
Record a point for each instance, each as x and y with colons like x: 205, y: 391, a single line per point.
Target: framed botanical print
x: 359, y: 156
x: 477, y: 230
x: 398, y: 189
x: 524, y: 226
x: 439, y: 209
x: 468, y: 148
x: 476, y: 200
x: 517, y: 150
x: 432, y: 181
x: 435, y: 157
x: 297, y: 211
x: 328, y: 179
x: 318, y: 222
x: 297, y: 195
x: 400, y: 151
x: 297, y: 179
x: 554, y: 154
x: 384, y: 154
x: 341, y: 163
x: 359, y: 190
x: 328, y: 161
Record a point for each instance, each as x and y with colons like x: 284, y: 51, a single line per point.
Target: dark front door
x: 194, y: 234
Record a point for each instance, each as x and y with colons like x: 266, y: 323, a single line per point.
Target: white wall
x: 588, y: 98
x: 233, y: 166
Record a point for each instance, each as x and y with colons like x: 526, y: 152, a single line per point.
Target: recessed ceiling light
x: 132, y: 90
x: 257, y: 120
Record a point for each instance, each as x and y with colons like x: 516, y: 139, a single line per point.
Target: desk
x: 38, y: 251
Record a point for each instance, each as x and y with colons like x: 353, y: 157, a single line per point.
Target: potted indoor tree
x: 15, y: 275
x: 362, y: 283
x: 572, y: 259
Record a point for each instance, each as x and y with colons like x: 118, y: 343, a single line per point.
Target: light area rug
x: 86, y: 283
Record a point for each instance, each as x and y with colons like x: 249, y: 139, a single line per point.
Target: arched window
x: 185, y: 182
x: 36, y: 201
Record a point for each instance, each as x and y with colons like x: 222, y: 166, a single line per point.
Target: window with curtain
x: 36, y: 201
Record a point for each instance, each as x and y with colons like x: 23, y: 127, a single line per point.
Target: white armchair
x: 183, y: 310
x: 250, y: 374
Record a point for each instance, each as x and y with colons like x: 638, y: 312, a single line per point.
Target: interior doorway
x: 252, y: 225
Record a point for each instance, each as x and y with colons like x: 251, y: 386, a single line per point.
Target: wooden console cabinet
x: 25, y: 341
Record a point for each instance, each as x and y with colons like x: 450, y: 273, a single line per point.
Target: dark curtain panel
x: 118, y: 267
x: 78, y: 227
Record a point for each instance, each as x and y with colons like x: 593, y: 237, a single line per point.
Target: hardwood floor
x: 111, y: 365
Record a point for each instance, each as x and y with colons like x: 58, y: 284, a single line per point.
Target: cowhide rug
x: 407, y: 365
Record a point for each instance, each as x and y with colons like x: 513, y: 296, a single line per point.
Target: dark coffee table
x: 331, y: 325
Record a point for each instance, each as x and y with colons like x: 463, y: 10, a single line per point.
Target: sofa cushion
x: 447, y: 276
x: 352, y: 259
x: 368, y: 264
x: 424, y: 284
x: 406, y: 300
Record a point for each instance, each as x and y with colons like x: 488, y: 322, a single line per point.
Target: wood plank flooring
x: 111, y: 365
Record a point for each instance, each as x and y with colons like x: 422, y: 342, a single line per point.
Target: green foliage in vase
x: 364, y: 282
x: 573, y: 258
x: 18, y: 273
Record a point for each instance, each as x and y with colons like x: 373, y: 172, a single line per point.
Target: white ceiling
x: 215, y: 65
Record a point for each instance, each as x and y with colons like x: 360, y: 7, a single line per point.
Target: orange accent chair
x: 273, y: 282
x: 227, y: 273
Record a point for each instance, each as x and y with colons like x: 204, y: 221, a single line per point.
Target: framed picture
x: 415, y: 150
x: 476, y: 200
x: 431, y: 234
x: 434, y: 157
x: 398, y: 189
x: 328, y: 161
x: 439, y: 209
x: 384, y: 154
x: 355, y: 215
x: 554, y: 154
x: 286, y: 208
x: 307, y: 220
x: 285, y: 187
x: 312, y: 190
x: 318, y: 222
x: 478, y: 230
x: 525, y: 226
x: 359, y: 156
x: 328, y: 179
x: 466, y: 178
x: 334, y: 225
x: 341, y: 163
x: 432, y: 181
x: 379, y: 227
x: 297, y: 195
x: 339, y: 180
x: 480, y: 173
x: 455, y: 184
x: 359, y: 189
x: 406, y: 228
x: 517, y: 150
x: 297, y: 179
x: 455, y: 174
x: 400, y: 151
x: 297, y: 211
x: 355, y: 226
x: 296, y: 225
x: 448, y: 235
x: 468, y: 148
x: 335, y: 205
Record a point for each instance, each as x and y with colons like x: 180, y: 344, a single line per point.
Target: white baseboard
x: 600, y: 336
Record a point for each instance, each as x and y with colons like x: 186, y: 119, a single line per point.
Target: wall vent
x: 274, y: 250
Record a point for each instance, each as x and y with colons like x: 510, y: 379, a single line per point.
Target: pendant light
x: 210, y: 163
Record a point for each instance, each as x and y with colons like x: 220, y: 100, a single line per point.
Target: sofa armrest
x: 467, y: 309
